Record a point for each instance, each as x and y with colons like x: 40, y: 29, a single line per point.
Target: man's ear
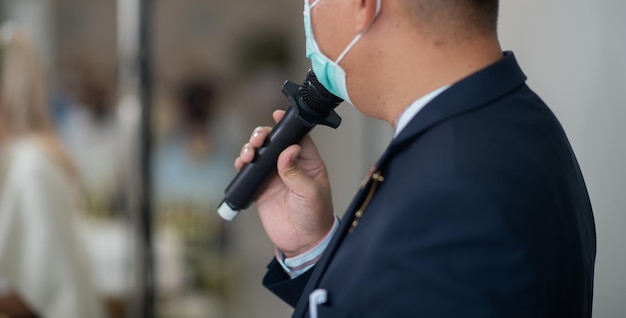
x: 366, y: 13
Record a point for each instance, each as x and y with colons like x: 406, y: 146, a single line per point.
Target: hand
x: 295, y: 206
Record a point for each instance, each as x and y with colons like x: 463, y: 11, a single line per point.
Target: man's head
x: 406, y: 50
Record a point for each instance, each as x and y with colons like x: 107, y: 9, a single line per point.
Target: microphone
x: 311, y: 104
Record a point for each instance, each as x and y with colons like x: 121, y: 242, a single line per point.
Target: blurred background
x: 207, y: 72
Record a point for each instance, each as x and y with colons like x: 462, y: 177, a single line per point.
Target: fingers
x: 309, y: 150
x: 257, y: 139
x: 260, y: 133
x: 258, y: 136
x: 246, y: 155
x: 291, y: 174
x: 278, y: 115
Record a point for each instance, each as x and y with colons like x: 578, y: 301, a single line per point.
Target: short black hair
x: 447, y: 16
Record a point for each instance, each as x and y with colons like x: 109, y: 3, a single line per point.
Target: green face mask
x: 328, y: 72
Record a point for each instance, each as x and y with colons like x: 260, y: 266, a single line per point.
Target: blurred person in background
x: 191, y: 166
x: 43, y: 268
x: 192, y: 163
x: 90, y: 132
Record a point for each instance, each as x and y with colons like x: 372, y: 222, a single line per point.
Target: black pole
x: 145, y: 84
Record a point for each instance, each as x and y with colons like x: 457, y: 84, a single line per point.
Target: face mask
x: 328, y: 72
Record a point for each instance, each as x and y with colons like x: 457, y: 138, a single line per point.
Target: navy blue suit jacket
x: 483, y: 212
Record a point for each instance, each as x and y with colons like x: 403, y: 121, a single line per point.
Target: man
x: 478, y: 207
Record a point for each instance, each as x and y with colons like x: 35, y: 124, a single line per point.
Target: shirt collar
x: 405, y: 116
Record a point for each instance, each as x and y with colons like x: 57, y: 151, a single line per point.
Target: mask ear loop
x: 358, y: 37
x: 308, y: 7
x: 313, y: 4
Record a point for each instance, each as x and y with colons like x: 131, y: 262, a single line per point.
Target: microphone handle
x: 289, y: 131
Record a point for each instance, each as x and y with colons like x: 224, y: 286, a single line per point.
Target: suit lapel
x: 470, y: 93
x: 342, y: 231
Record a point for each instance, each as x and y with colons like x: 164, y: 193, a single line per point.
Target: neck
x: 413, y: 66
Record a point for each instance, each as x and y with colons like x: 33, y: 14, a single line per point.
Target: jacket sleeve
x: 279, y: 283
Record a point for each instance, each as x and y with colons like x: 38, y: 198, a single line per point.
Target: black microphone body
x: 311, y: 105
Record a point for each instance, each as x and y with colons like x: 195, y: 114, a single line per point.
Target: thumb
x: 294, y: 178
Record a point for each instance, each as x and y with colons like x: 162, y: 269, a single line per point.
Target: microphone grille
x: 316, y: 96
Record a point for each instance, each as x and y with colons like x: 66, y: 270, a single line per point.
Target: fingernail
x: 247, y: 148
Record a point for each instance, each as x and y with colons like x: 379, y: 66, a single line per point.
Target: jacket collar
x: 472, y: 92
